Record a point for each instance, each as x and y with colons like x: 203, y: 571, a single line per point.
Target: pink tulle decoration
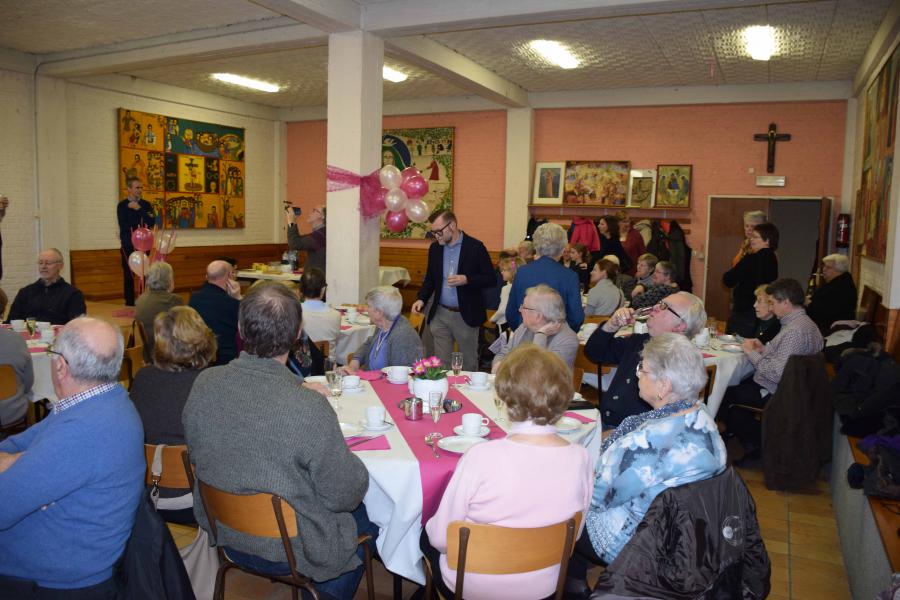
x: 371, y: 194
x: 396, y: 221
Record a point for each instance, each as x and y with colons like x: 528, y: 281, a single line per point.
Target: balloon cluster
x: 159, y: 243
x: 402, y: 192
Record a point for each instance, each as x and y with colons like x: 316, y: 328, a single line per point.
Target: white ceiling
x: 822, y: 40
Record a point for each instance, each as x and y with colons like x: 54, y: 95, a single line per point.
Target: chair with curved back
x: 9, y: 386
x: 495, y: 550
x: 262, y: 515
x: 132, y: 362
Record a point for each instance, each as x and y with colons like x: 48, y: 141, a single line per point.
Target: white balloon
x: 417, y: 211
x: 395, y: 200
x: 390, y: 177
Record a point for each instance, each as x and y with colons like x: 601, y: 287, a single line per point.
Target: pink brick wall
x: 717, y: 139
x: 480, y: 163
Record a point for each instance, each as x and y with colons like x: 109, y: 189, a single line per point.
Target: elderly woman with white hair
x: 674, y: 444
x: 543, y: 324
x: 156, y: 299
x: 395, y: 341
x: 834, y: 300
x: 550, y: 242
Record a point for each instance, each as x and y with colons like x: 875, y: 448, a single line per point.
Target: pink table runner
x: 379, y: 443
x: 434, y: 472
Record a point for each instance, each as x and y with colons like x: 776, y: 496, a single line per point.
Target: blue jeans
x: 342, y: 587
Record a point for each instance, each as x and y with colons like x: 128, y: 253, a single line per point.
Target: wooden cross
x: 771, y: 137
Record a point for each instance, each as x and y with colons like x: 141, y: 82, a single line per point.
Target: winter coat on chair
x: 697, y: 541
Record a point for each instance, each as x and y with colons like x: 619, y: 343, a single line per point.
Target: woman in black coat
x: 753, y: 270
x: 835, y: 300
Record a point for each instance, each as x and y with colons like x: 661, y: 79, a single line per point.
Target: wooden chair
x: 599, y: 319
x: 137, y: 335
x: 417, y: 320
x: 8, y: 387
x: 263, y: 515
x: 174, y: 475
x: 706, y: 390
x: 494, y: 550
x: 323, y: 347
x: 577, y: 376
x: 132, y: 362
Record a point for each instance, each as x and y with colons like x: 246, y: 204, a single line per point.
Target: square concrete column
x: 355, y: 61
x: 519, y: 128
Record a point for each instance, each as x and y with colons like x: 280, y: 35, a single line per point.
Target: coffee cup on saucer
x: 350, y: 382
x: 375, y: 417
x: 18, y: 324
x: 398, y: 374
x: 472, y: 423
x: 478, y: 379
x: 352, y: 314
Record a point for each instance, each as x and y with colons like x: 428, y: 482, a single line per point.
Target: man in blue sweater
x: 70, y: 485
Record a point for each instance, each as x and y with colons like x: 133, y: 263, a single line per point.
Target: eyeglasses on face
x: 439, y: 231
x: 663, y: 305
x: 55, y: 353
x: 523, y: 307
x: 47, y: 263
x: 640, y: 369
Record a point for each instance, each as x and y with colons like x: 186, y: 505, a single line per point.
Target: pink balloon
x: 396, y: 221
x: 415, y: 187
x: 395, y: 200
x: 390, y: 177
x: 142, y: 239
x: 417, y: 211
x: 407, y: 173
x: 138, y: 263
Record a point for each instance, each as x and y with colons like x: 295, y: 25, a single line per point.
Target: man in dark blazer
x: 459, y: 268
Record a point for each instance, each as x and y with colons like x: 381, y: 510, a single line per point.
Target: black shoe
x: 576, y: 589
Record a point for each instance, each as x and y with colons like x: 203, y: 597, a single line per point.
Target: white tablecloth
x: 43, y: 385
x: 394, y: 498
x: 392, y: 275
x: 251, y: 274
x: 731, y: 369
x: 351, y: 339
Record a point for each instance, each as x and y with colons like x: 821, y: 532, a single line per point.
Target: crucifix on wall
x: 771, y: 137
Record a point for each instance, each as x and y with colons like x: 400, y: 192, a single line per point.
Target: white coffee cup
x: 641, y: 327
x: 350, y: 382
x: 351, y: 314
x: 43, y: 324
x: 47, y: 334
x: 702, y: 338
x: 472, y: 423
x: 398, y: 373
x: 478, y: 379
x: 375, y: 416
x: 18, y: 324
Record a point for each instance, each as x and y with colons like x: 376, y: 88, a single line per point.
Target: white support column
x: 354, y: 142
x: 519, y: 142
x: 52, y: 167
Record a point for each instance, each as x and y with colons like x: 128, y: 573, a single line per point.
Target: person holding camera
x: 313, y: 242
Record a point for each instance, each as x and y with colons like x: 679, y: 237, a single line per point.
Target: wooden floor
x: 799, y: 531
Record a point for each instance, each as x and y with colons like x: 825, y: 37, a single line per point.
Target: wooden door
x: 726, y: 233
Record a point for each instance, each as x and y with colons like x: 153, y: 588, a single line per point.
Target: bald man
x: 70, y: 485
x: 218, y: 302
x: 50, y: 298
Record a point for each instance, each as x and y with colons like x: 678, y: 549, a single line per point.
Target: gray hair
x: 88, y: 361
x: 840, y: 262
x: 387, y: 299
x: 695, y: 316
x: 528, y: 245
x: 550, y: 240
x: 674, y: 358
x: 547, y: 302
x: 160, y: 277
x: 755, y: 216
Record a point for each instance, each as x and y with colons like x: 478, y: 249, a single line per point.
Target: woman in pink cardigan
x: 532, y: 478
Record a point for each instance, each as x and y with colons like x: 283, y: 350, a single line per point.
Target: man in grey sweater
x: 251, y: 428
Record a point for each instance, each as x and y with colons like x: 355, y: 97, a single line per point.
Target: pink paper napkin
x: 456, y: 380
x: 37, y: 350
x: 579, y: 417
x: 705, y: 355
x: 379, y: 443
x: 369, y: 375
x: 346, y: 327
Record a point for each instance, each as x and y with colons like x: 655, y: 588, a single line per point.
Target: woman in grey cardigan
x: 395, y: 341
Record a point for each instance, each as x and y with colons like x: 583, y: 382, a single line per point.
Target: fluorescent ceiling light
x: 393, y: 74
x: 760, y: 41
x: 554, y: 52
x: 254, y: 84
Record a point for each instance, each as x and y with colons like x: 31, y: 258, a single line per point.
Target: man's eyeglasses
x: 59, y: 354
x: 47, y: 263
x: 436, y: 232
x: 640, y: 369
x: 523, y: 307
x: 663, y: 305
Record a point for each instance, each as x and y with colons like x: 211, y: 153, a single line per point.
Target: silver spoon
x: 431, y: 439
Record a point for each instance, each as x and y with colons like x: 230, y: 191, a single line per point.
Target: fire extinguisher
x: 842, y: 232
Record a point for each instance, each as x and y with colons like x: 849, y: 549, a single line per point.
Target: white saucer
x: 349, y: 429
x: 458, y: 430
x: 399, y: 381
x: 475, y: 388
x: 383, y: 427
x: 733, y: 348
x: 361, y: 320
x: 387, y: 370
x: 567, y: 425
x: 315, y: 379
x: 458, y: 444
x: 356, y: 390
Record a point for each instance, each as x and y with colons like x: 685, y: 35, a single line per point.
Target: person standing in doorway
x: 132, y: 212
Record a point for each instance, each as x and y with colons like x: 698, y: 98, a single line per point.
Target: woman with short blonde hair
x: 183, y: 340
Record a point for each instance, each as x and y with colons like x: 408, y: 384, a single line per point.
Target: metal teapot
x: 412, y: 408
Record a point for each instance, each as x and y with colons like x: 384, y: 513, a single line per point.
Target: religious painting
x: 596, y: 183
x: 430, y: 150
x: 673, y: 186
x: 642, y: 190
x: 193, y: 172
x: 878, y: 161
x: 548, y: 183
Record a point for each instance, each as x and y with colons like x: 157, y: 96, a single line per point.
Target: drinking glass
x: 456, y: 363
x: 31, y: 324
x: 498, y: 403
x: 434, y: 403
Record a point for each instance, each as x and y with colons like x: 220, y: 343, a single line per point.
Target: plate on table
x: 349, y: 429
x: 733, y: 348
x: 383, y: 427
x: 315, y: 379
x: 354, y: 390
x: 730, y: 339
x: 567, y: 425
x: 458, y: 430
x: 478, y: 388
x: 361, y: 320
x: 458, y: 444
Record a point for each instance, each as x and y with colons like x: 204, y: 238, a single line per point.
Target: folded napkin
x: 579, y: 417
x: 346, y: 327
x: 453, y: 379
x: 707, y: 355
x: 369, y: 375
x: 379, y: 443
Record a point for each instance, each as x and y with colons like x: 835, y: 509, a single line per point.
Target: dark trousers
x: 743, y: 323
x: 741, y: 422
x: 342, y: 587
x: 433, y: 557
x: 128, y: 277
x: 583, y: 558
x: 29, y: 590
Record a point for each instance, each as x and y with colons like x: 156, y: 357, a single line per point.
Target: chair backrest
x: 8, y: 382
x: 577, y: 376
x: 132, y: 362
x: 417, y: 320
x: 173, y: 472
x: 253, y: 514
x: 599, y: 319
x: 136, y: 335
x: 495, y: 550
x: 706, y: 390
x: 323, y: 347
